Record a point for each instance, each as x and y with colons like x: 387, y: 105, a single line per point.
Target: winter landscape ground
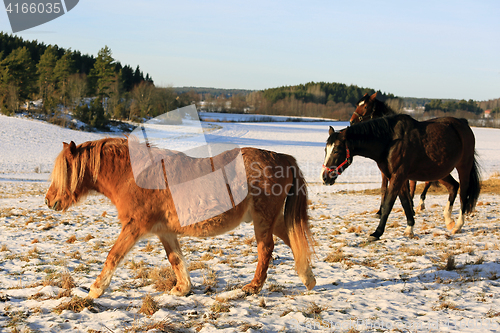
x: 433, y: 282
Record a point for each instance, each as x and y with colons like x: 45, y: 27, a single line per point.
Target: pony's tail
x: 474, y: 188
x: 297, y: 225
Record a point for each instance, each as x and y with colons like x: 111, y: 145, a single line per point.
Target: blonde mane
x: 87, y: 158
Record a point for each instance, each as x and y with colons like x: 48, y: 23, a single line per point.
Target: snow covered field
x: 434, y: 282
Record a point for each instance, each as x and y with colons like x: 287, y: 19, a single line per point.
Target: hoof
x: 308, y: 278
x: 372, y: 238
x: 311, y: 284
x: 450, y: 226
x: 95, y: 293
x: 455, y: 231
x: 377, y: 215
x: 251, y: 289
x: 179, y: 291
x: 409, y: 234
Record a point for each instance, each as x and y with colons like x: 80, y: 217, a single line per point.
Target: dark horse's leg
x: 421, y: 203
x: 395, y: 187
x: 452, y: 186
x: 407, y: 203
x: 383, y: 192
x: 413, y: 186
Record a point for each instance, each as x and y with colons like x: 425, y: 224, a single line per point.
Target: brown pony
x: 369, y: 107
x: 406, y: 149
x: 276, y: 203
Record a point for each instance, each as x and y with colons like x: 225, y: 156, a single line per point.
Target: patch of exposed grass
x: 163, y: 278
x: 76, y: 304
x: 210, y: 280
x: 313, y: 310
x: 412, y: 251
x: 71, y: 240
x: 275, y: 288
x: 149, y: 305
x: 88, y: 237
x: 197, y: 265
x: 445, y: 305
x: 219, y: 307
x: 337, y: 255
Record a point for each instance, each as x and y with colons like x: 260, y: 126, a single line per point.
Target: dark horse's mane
x: 380, y: 109
x: 379, y: 129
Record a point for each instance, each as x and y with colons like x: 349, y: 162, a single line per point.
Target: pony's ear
x: 372, y: 97
x: 331, y: 130
x: 71, y: 146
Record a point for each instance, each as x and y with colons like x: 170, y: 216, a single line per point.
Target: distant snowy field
x: 28, y: 148
x: 396, y: 284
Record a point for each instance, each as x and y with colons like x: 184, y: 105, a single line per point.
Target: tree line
x: 66, y: 80
x: 314, y: 99
x: 454, y: 106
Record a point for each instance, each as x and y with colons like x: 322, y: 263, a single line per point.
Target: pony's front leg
x: 176, y: 259
x: 265, y: 247
x: 129, y: 235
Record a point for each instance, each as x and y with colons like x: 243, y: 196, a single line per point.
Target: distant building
x: 487, y: 114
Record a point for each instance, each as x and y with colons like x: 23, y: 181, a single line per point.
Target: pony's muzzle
x: 54, y: 206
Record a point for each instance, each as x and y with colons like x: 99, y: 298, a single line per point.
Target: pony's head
x: 337, y: 156
x: 364, y: 109
x: 70, y: 177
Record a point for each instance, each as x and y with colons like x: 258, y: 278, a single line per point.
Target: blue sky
x: 433, y: 49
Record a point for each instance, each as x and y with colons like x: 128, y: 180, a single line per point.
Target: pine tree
x: 63, y: 69
x: 17, y: 70
x: 102, y: 75
x: 45, y: 72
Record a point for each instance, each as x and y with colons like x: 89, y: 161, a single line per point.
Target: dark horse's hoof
x: 372, y: 238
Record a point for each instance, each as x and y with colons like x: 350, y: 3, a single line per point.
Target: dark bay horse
x: 276, y: 202
x: 403, y: 149
x: 369, y: 107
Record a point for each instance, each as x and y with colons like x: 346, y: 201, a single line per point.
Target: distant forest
x: 326, y: 100
x: 64, y: 79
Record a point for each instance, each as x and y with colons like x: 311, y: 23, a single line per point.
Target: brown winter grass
x: 337, y: 255
x: 149, y: 305
x: 163, y: 278
x: 488, y: 186
x: 76, y: 304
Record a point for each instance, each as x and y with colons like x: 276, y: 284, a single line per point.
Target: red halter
x: 338, y: 170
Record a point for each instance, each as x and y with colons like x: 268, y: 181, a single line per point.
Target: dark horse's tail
x: 297, y: 225
x: 474, y: 187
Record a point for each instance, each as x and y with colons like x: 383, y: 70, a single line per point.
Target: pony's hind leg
x: 129, y: 235
x: 265, y: 246
x: 176, y: 259
x: 452, y: 186
x: 303, y: 270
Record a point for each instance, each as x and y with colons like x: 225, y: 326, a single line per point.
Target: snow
x: 396, y: 284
